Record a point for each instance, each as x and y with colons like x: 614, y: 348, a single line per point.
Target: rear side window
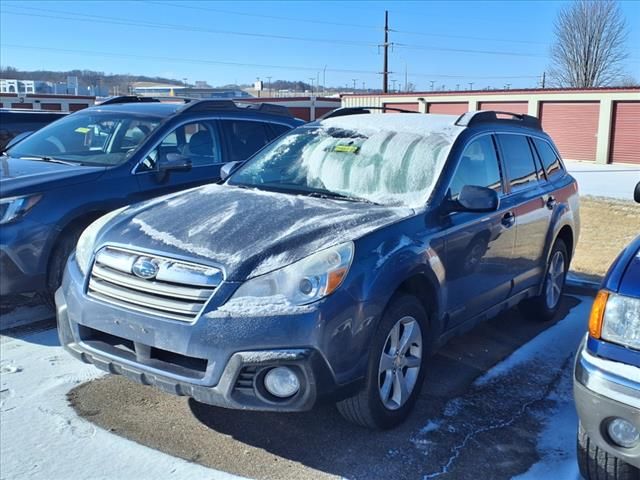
x: 521, y: 168
x: 548, y: 156
x: 478, y: 166
x: 279, y: 129
x: 244, y: 138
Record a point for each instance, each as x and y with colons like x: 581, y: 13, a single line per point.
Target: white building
x: 17, y: 86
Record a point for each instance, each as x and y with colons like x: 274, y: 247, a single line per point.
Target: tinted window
x: 244, y: 138
x: 521, y: 169
x: 549, y: 158
x: 195, y: 140
x: 279, y: 129
x: 478, y: 166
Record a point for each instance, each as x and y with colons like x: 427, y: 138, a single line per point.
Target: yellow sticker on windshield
x: 346, y: 148
x: 82, y: 130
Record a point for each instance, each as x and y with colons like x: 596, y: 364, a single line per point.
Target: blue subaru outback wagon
x: 59, y: 179
x: 329, y: 265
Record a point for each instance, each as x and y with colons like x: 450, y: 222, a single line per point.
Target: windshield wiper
x: 339, y: 196
x: 44, y: 158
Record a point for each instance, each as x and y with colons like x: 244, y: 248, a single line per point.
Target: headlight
x: 12, y: 208
x: 84, y: 249
x: 302, y: 282
x: 621, y: 321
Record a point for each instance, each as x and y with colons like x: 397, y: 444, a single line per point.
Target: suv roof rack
x: 128, y: 99
x: 471, y: 119
x: 201, y: 106
x: 344, y: 111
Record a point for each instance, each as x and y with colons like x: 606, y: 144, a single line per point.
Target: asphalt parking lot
x: 464, y: 423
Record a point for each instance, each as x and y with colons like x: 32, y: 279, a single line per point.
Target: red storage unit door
x: 412, y: 107
x: 573, y: 126
x: 302, y: 113
x: 320, y: 111
x: 511, y: 107
x: 74, y: 107
x: 625, y: 133
x: 451, y: 108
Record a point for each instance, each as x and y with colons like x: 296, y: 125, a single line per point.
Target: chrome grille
x: 177, y: 290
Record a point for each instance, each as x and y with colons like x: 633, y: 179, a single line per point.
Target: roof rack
x: 471, y: 119
x: 341, y: 112
x: 201, y: 106
x: 128, y: 99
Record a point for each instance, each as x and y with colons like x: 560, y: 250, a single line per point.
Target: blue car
x: 607, y: 374
x: 329, y: 265
x: 58, y: 180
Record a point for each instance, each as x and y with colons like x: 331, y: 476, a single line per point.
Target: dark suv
x: 59, y: 179
x: 328, y: 266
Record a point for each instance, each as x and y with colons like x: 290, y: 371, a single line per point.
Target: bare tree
x: 590, y: 44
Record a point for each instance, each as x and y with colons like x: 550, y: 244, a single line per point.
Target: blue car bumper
x: 219, y: 361
x: 605, y: 390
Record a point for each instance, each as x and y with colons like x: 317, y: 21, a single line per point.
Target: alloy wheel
x: 400, y: 363
x: 555, y: 279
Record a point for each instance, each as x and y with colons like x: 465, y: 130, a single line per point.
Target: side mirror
x: 174, y: 162
x: 16, y: 139
x: 476, y: 199
x: 228, y: 168
x: 636, y: 193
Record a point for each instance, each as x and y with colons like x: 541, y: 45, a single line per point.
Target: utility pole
x: 354, y: 83
x: 432, y: 83
x: 406, y: 78
x: 324, y: 79
x: 544, y: 78
x: 363, y: 89
x: 393, y: 81
x: 470, y: 85
x: 311, y: 79
x: 385, y: 64
x: 458, y: 87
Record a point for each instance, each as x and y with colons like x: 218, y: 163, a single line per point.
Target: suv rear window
x: 548, y: 156
x: 521, y: 168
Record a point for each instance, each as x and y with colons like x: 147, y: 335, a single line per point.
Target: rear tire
x: 57, y: 262
x: 396, y: 367
x: 596, y: 464
x: 545, y: 306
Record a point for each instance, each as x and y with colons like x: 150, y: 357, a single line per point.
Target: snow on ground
x: 529, y: 390
x: 42, y: 437
x: 613, y: 181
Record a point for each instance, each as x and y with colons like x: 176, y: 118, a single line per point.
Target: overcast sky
x: 450, y: 43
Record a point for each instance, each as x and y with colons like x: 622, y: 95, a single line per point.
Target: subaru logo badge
x: 145, y: 268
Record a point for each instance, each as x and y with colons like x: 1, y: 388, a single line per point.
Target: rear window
x: 548, y: 156
x: 521, y: 168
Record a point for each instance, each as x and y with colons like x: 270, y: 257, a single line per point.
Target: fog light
x: 281, y: 382
x: 623, y: 433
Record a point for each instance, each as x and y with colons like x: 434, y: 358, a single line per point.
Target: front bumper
x: 218, y: 361
x: 602, y: 394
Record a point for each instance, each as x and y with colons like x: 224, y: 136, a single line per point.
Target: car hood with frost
x: 246, y: 232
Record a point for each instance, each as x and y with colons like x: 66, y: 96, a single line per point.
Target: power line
x: 272, y: 17
x: 240, y: 64
x: 190, y: 28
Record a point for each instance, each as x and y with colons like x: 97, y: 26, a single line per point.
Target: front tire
x: 66, y: 245
x: 545, y: 306
x: 596, y: 464
x: 396, y: 367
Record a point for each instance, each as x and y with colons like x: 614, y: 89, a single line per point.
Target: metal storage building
x: 599, y: 125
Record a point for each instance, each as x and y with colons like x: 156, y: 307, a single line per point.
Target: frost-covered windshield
x: 88, y: 138
x: 368, y: 163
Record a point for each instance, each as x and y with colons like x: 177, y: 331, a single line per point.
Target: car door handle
x: 508, y: 219
x: 551, y: 202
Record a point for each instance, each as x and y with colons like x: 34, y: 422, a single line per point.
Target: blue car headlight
x: 621, y: 321
x: 300, y: 283
x: 12, y: 208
